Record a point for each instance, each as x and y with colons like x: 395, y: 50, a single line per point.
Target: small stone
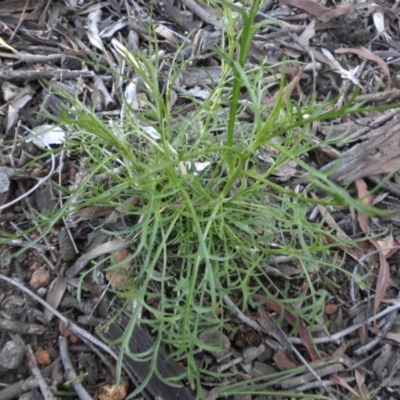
x: 251, y: 353
x: 42, y: 356
x: 67, y: 249
x: 216, y: 339
x: 113, y: 392
x: 40, y: 278
x: 12, y: 355
x: 261, y: 369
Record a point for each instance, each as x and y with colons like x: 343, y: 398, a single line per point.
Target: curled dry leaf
x: 379, y: 22
x: 307, y: 34
x: 112, y: 246
x: 344, y: 73
x: 166, y: 34
x: 9, y: 91
x: 386, y: 244
x: 20, y: 101
x: 283, y: 362
x: 110, y: 30
x: 54, y: 296
x: 47, y: 135
x: 131, y: 96
x: 363, y: 52
x: 93, y: 21
x: 196, y: 166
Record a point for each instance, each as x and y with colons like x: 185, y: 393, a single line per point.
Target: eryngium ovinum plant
x: 208, y: 219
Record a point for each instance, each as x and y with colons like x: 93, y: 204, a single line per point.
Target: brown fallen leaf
x: 382, y: 281
x: 11, y: 6
x: 117, y: 276
x: 283, y: 362
x: 344, y: 384
x: 92, y: 212
x: 54, y: 296
x: 289, y: 317
x: 318, y: 10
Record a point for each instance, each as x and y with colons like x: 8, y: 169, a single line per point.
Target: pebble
x: 12, y: 355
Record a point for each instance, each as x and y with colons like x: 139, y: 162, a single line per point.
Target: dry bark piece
x: 379, y: 154
x: 307, y: 377
x: 21, y: 327
x: 17, y: 389
x: 28, y: 75
x: 12, y: 6
x: 204, y: 13
x: 140, y: 342
x: 67, y: 249
x: 170, y: 11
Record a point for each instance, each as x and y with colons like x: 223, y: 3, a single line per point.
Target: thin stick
x: 70, y: 372
x: 350, y: 329
x: 46, y: 392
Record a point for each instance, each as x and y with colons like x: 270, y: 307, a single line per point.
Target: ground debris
x: 54, y: 52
